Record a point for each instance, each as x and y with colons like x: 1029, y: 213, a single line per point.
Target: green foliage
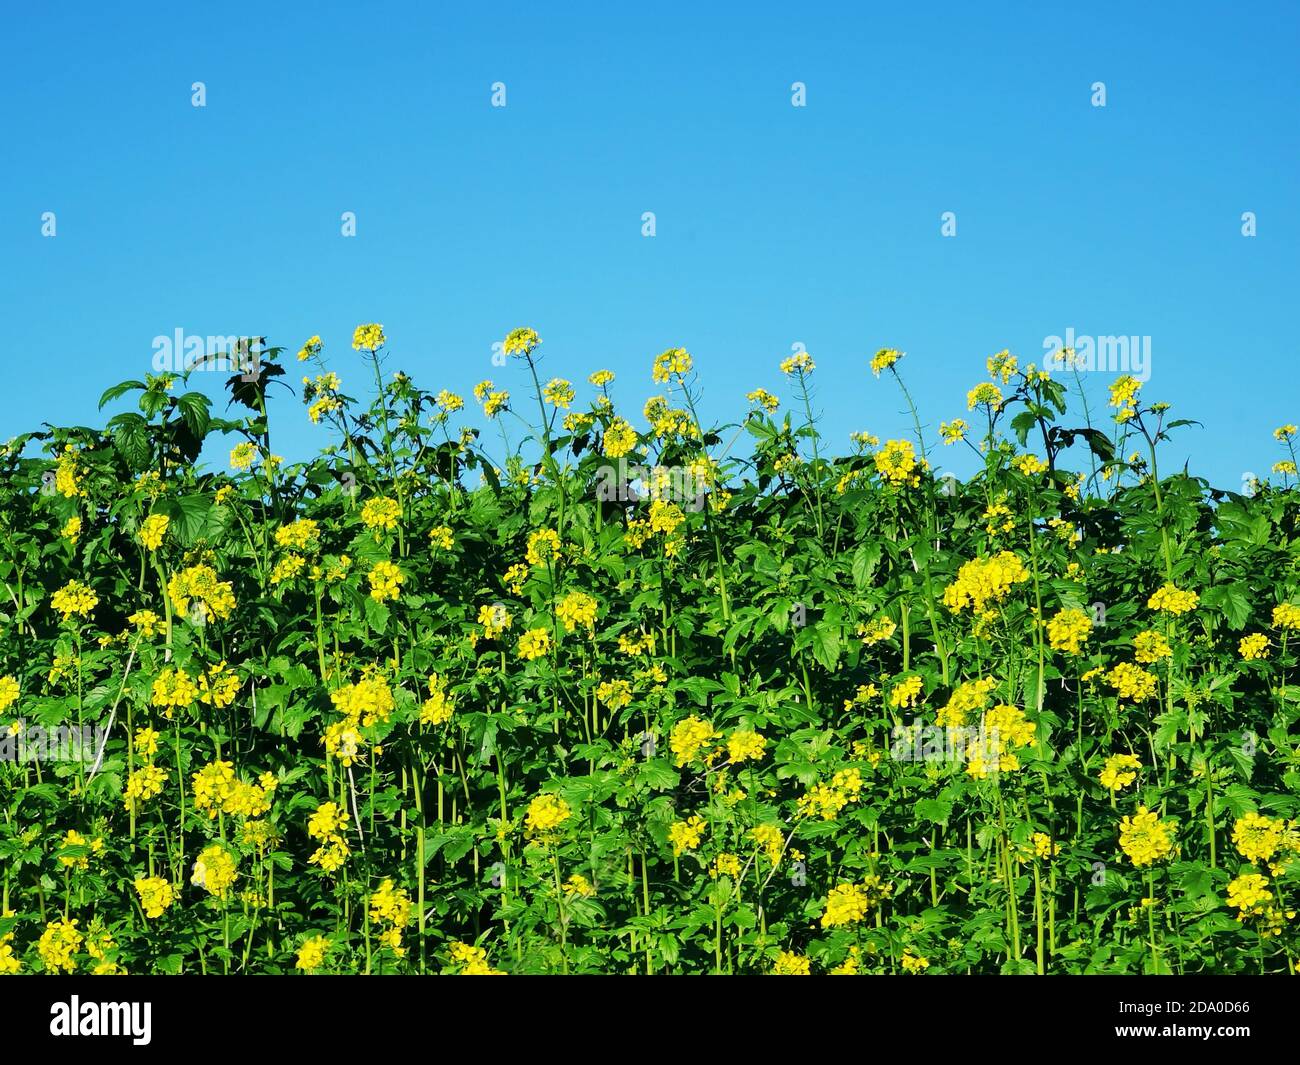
x: 440, y: 711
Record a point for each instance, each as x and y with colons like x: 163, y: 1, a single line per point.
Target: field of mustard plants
x: 600, y: 689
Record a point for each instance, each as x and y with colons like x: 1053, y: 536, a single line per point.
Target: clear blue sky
x: 776, y: 224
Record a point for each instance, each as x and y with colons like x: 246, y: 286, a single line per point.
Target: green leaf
x: 119, y: 390
x: 1231, y: 601
x: 865, y: 560
x: 377, y: 614
x: 130, y: 436
x: 194, y: 408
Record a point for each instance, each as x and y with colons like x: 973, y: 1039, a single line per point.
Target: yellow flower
x: 521, y: 341
x: 725, y: 864
x: 1286, y: 616
x: 242, y: 455
x: 328, y: 820
x: 827, y: 800
x: 619, y: 439
x: 579, y: 886
x: 800, y: 363
x: 770, y: 841
x: 984, y: 581
x: 1002, y: 729
x: 558, y: 393
x: 9, y: 692
x: 368, y: 337
x: 1069, y: 630
x: 367, y: 701
x: 390, y: 904
x: 381, y: 512
x: 543, y: 546
x: 953, y: 431
x: 690, y: 738
x: 218, y: 686
x: 156, y: 894
x: 846, y: 904
x: 473, y: 961
x: 198, y: 593
x: 877, y: 631
x: 1002, y: 366
x: 884, y: 359
x: 546, y: 814
x: 967, y: 697
x: 386, y: 581
x: 145, y: 742
x: 1145, y: 838
x: 1124, y: 394
x: 441, y: 538
x: 58, y: 943
x: 1132, y: 682
x: 495, y: 620
x: 312, y: 954
x: 1173, y: 600
x: 745, y: 745
x: 217, y: 790
x: 984, y: 394
x: 534, y: 644
x: 642, y: 644
x: 214, y: 871
x: 144, y: 784
x: 1257, y: 838
x: 577, y: 609
x: 601, y: 378
x: 896, y: 463
x: 439, y: 707
x: 790, y: 964
x: 1151, y: 646
x: 448, y: 403
x: 9, y: 963
x: 1030, y: 465
x: 764, y: 399
x: 686, y: 835
x: 1249, y: 893
x: 321, y: 407
x: 675, y: 362
x: 288, y: 568
x: 174, y: 688
x: 74, y: 599
x: 1119, y: 771
x: 299, y: 535
x: 71, y: 530
x: 343, y: 740
x: 67, y: 475
x: 905, y: 693
x: 913, y: 963
x: 81, y: 862
x: 1254, y: 646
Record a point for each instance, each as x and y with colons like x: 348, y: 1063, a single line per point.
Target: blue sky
x: 775, y: 224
